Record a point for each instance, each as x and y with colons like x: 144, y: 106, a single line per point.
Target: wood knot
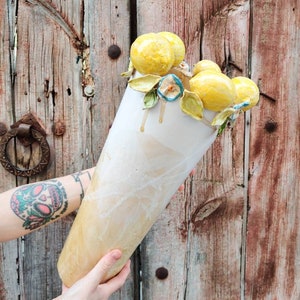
x: 205, y: 210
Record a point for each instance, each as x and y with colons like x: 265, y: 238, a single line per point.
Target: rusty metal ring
x: 6, y: 163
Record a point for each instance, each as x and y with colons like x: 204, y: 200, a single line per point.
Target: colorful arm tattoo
x: 40, y: 203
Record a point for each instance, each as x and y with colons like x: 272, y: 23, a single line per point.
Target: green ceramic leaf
x: 150, y: 99
x: 145, y: 83
x: 191, y: 104
x: 221, y: 117
x: 222, y: 127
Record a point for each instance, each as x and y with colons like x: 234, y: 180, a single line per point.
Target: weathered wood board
x: 61, y: 48
x: 273, y: 242
x: 192, y: 237
x: 234, y: 231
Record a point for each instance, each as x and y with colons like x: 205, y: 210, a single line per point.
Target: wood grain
x: 53, y: 67
x: 234, y: 231
x: 101, y: 31
x: 9, y: 252
x: 273, y: 229
x: 193, y: 246
x: 46, y: 68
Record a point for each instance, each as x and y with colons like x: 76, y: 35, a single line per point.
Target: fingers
x: 117, y: 282
x: 89, y: 288
x: 193, y: 172
x: 181, y: 187
x: 64, y: 288
x: 96, y: 275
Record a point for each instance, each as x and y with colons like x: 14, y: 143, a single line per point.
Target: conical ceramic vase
x: 146, y: 156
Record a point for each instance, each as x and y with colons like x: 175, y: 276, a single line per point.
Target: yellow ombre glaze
x: 246, y: 89
x: 215, y: 89
x: 152, y: 53
x: 177, y: 45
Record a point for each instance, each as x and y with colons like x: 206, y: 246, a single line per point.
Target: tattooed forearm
x: 78, y: 177
x: 39, y: 203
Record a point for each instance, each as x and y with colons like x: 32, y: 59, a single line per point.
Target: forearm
x: 31, y: 206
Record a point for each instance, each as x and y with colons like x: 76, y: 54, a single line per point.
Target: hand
x: 89, y: 288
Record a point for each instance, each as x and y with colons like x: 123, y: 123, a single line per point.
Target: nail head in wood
x: 271, y: 126
x: 59, y: 128
x: 114, y: 51
x: 89, y: 91
x: 162, y: 273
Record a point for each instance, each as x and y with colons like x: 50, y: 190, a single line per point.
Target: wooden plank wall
x: 234, y: 231
x: 273, y: 240
x: 196, y: 248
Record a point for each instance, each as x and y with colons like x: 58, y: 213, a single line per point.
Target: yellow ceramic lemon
x: 205, y: 64
x: 151, y: 53
x: 177, y: 45
x: 215, y: 89
x: 246, y: 90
